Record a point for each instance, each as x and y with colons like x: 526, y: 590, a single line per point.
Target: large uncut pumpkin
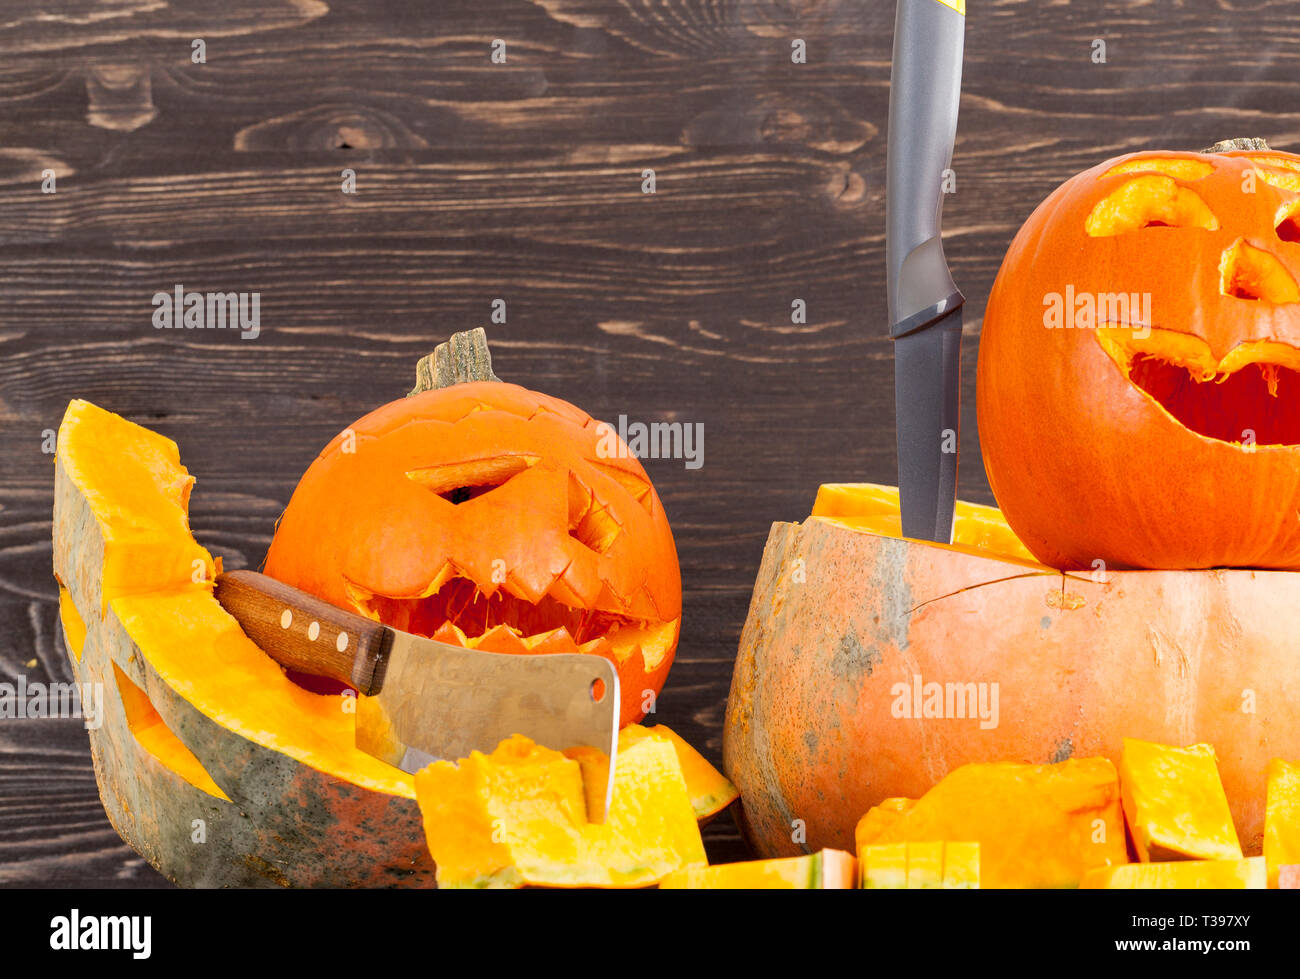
x: 868, y: 664
x: 487, y: 515
x: 1139, y: 366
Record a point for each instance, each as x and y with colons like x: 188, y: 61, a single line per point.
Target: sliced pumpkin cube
x: 824, y: 870
x: 1282, y: 818
x: 519, y: 816
x: 1175, y: 804
x: 1036, y: 825
x: 710, y: 790
x: 1249, y: 874
x: 919, y: 865
x: 883, y: 866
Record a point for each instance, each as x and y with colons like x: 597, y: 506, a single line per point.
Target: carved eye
x: 459, y: 482
x: 1248, y: 272
x: 1152, y: 201
x: 590, y: 522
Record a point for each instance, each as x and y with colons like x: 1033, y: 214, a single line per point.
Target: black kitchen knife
x: 924, y: 304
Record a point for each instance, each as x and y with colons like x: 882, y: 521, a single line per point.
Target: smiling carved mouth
x: 459, y: 612
x: 1251, y: 396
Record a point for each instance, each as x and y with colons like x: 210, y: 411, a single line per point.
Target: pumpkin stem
x: 1240, y: 143
x: 465, y: 357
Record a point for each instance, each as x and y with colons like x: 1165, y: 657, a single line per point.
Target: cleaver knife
x: 420, y: 700
x: 924, y: 304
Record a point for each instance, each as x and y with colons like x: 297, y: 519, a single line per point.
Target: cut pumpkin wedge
x: 709, y: 789
x: 1174, y: 803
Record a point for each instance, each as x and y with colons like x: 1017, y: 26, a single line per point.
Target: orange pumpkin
x: 491, y: 516
x: 1139, y: 366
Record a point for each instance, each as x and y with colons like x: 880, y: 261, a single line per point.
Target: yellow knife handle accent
x: 957, y: 5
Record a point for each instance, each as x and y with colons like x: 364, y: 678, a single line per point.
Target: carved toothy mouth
x: 1251, y: 396
x: 458, y: 611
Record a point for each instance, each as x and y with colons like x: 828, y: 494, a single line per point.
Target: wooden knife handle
x: 301, y: 632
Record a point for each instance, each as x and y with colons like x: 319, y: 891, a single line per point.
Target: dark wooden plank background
x: 518, y: 181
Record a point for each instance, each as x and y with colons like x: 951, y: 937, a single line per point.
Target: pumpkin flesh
x: 1245, y: 874
x: 1282, y: 818
x: 519, y: 816
x: 1175, y: 804
x: 919, y: 866
x: 1036, y: 825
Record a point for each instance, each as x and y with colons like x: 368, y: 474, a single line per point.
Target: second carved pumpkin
x: 1139, y: 366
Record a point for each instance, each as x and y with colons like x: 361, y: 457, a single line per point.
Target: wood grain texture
x: 519, y: 181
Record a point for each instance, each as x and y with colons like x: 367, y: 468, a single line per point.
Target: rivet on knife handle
x: 305, y: 633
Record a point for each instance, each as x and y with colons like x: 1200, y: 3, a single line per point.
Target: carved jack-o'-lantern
x: 1139, y: 367
x: 491, y: 516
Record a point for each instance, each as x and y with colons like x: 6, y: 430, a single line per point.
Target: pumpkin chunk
x: 1282, y: 818
x: 709, y: 789
x: 1175, y: 804
x: 1248, y: 874
x: 1036, y: 825
x: 880, y: 818
x: 919, y: 865
x: 824, y: 870
x: 518, y: 816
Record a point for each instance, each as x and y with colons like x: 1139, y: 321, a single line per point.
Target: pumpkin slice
x: 709, y: 789
x: 204, y: 739
x: 519, y: 816
x: 1246, y: 874
x: 1175, y: 804
x: 1282, y: 818
x: 824, y: 870
x: 913, y: 866
x: 1036, y: 825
